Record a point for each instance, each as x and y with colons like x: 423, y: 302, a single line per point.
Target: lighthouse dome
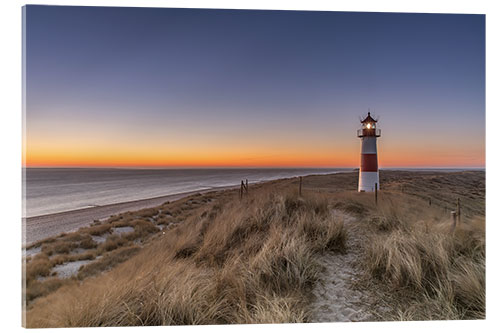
x: 368, y: 119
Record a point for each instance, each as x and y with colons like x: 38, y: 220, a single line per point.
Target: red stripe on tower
x: 369, y: 162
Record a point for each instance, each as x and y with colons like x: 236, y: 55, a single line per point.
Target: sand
x: 69, y: 269
x: 335, y: 296
x: 40, y: 227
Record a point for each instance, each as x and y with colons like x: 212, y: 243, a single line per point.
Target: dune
x: 331, y: 254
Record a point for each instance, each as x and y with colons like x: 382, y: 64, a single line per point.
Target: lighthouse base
x: 367, y: 181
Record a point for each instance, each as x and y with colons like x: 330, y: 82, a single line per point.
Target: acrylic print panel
x: 202, y: 166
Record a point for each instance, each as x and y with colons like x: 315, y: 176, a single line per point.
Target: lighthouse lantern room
x: 368, y: 172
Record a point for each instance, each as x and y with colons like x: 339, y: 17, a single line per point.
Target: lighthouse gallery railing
x: 368, y: 132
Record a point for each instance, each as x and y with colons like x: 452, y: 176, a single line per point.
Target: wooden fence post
x: 376, y: 194
x: 454, y: 220
x: 241, y: 189
x: 246, y: 186
x: 300, y: 186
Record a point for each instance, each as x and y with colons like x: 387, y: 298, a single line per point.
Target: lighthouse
x: 368, y: 172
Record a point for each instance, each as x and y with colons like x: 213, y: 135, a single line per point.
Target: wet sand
x: 39, y: 227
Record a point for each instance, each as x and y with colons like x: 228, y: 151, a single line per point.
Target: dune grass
x: 107, y: 261
x: 433, y: 271
x: 255, y: 260
x: 39, y: 277
x: 80, y: 245
x: 244, y: 262
x: 414, y: 258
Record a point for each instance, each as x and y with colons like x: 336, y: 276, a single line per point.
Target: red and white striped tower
x: 368, y: 172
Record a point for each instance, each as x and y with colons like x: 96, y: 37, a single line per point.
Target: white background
x: 11, y: 143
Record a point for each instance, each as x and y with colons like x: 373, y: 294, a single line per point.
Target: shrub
x: 87, y: 243
x: 58, y: 247
x: 148, y: 212
x: 111, y: 243
x: 38, y: 289
x: 97, y: 230
x: 39, y: 266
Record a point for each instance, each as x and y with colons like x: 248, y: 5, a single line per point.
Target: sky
x: 157, y: 87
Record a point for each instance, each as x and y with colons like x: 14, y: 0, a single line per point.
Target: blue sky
x: 181, y: 82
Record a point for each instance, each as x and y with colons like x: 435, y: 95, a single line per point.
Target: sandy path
x: 335, y: 298
x: 40, y: 227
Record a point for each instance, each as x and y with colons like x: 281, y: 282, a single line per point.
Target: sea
x: 54, y: 190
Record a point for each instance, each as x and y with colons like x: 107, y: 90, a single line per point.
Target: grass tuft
x: 250, y: 262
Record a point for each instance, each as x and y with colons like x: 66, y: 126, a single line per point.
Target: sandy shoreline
x: 39, y: 227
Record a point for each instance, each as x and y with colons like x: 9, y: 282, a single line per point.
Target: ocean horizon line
x: 255, y: 168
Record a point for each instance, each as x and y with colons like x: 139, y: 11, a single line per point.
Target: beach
x: 44, y: 226
x: 56, y: 190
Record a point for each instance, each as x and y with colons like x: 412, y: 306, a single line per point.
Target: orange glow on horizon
x: 134, y: 152
x: 188, y: 160
x: 326, y: 159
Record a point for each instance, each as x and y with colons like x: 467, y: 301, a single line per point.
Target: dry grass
x: 80, y: 245
x: 434, y: 272
x: 108, y: 261
x: 254, y: 261
x: 39, y: 266
x: 96, y: 229
x: 39, y: 289
x: 148, y: 212
x: 112, y: 242
x: 431, y: 272
x: 245, y: 262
